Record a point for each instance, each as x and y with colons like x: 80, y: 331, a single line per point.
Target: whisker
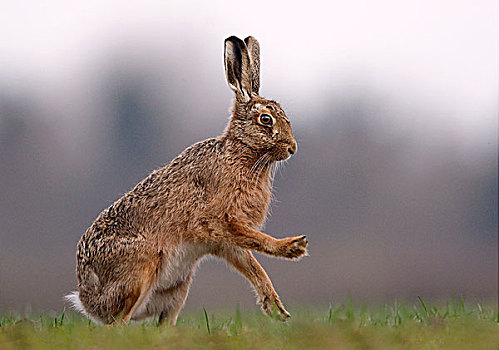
x: 281, y: 166
x: 257, y: 163
x: 255, y: 167
x: 273, y: 169
x: 263, y: 164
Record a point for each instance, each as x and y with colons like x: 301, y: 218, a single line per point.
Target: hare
x: 138, y: 258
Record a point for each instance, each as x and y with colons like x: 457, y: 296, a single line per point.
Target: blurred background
x: 393, y: 103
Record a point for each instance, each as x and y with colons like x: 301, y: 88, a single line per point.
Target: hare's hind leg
x: 173, y: 300
x: 166, y: 303
x: 139, y: 295
x: 244, y: 261
x: 137, y: 280
x: 116, y: 277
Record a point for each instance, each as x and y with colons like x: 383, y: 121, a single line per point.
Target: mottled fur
x: 138, y: 257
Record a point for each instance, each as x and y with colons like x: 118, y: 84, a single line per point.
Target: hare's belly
x: 178, y: 265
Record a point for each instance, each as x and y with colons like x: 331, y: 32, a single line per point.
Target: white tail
x: 74, y: 299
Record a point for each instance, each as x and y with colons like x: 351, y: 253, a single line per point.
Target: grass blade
x: 207, y: 321
x: 424, y: 306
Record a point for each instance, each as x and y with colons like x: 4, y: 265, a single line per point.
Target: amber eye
x: 265, y: 119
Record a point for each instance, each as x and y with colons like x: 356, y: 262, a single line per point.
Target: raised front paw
x: 293, y: 247
x: 273, y: 307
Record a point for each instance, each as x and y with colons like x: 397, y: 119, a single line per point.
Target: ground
x: 451, y: 325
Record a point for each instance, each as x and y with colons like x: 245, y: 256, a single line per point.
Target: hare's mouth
x: 283, y: 152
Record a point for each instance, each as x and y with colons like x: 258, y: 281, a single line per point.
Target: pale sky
x: 442, y: 52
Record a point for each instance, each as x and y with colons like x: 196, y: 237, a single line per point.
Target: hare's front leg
x: 243, y: 236
x: 244, y: 261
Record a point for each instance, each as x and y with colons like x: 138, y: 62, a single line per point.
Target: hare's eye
x: 265, y: 119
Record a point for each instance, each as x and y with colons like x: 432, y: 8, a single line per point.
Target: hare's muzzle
x: 292, y: 148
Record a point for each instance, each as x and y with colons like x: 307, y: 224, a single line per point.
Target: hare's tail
x: 74, y: 299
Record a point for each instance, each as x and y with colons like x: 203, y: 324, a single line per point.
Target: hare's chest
x: 253, y: 204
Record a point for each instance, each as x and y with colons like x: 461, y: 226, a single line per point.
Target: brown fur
x: 138, y: 257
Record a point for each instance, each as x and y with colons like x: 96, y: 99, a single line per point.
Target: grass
x: 453, y: 325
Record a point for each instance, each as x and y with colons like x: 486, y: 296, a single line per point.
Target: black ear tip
x: 233, y: 39
x: 238, y: 43
x: 248, y: 38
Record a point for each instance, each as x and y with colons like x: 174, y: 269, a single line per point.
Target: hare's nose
x: 292, y: 148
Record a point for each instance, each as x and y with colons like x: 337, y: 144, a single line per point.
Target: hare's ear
x: 254, y: 54
x: 237, y: 68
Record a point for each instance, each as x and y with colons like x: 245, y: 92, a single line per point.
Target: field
x: 453, y: 325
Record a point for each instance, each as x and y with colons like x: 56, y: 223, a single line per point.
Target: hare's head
x: 259, y: 123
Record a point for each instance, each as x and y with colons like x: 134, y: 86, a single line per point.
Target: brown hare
x: 138, y: 258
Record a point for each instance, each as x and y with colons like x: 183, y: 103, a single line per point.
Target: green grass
x: 453, y: 325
